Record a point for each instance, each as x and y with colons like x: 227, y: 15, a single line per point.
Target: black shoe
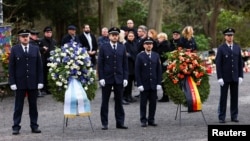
x: 152, y: 124
x: 131, y: 99
x: 121, y: 126
x: 124, y: 102
x: 235, y: 120
x: 222, y: 121
x: 36, y: 130
x: 105, y: 127
x: 15, y: 132
x: 143, y: 124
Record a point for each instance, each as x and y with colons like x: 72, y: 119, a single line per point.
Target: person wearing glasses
x: 229, y: 67
x: 25, y: 76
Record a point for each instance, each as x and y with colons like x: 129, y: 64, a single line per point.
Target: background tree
x: 109, y: 13
x: 155, y: 15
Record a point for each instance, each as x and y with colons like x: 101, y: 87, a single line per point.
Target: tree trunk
x: 155, y: 15
x: 109, y: 13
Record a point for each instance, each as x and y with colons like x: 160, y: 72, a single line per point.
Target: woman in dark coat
x: 162, y: 48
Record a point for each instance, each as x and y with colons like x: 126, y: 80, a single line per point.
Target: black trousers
x: 128, y: 90
x: 18, y: 110
x: 233, y: 100
x: 119, y: 111
x: 145, y: 96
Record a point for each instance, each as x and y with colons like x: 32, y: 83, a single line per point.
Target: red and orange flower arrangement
x: 180, y: 64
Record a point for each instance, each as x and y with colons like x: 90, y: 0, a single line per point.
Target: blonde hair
x: 162, y: 35
x: 122, y: 36
x: 153, y: 32
x: 188, y: 32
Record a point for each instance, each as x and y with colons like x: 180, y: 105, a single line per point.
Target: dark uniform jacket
x: 22, y: 68
x: 148, y: 72
x: 112, y: 64
x: 229, y: 63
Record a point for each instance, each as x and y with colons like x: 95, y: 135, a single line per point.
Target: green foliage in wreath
x: 176, y: 94
x: 180, y: 64
x: 58, y: 92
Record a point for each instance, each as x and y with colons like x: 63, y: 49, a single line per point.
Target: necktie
x: 114, y: 47
x: 25, y: 50
x: 231, y: 47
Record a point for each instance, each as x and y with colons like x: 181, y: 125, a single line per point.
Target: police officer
x: 229, y: 69
x: 113, y: 72
x: 34, y: 40
x: 148, y: 73
x: 25, y: 76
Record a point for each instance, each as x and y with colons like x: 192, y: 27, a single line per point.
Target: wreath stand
x: 179, y: 110
x: 65, y: 123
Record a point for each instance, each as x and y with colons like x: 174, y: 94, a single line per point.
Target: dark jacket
x: 112, y: 65
x: 229, y: 63
x: 68, y: 38
x: 188, y: 44
x: 162, y: 48
x: 131, y: 47
x: 84, y: 42
x: 148, y: 72
x: 25, y: 70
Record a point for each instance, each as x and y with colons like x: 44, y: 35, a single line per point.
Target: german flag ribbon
x: 192, y: 95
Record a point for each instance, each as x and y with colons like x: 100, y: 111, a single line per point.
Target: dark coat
x: 84, y: 42
x: 174, y: 44
x: 68, y: 38
x: 162, y: 48
x: 148, y: 72
x: 25, y: 70
x: 131, y: 48
x: 188, y: 44
x: 112, y: 65
x: 229, y: 63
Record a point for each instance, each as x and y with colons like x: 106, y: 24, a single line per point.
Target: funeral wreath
x: 180, y: 64
x: 71, y: 61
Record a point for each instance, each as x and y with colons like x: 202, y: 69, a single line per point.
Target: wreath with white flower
x: 71, y: 61
x: 182, y: 63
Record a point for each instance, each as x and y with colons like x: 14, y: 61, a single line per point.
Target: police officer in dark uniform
x: 229, y: 69
x: 148, y: 73
x: 25, y: 76
x: 113, y: 72
x: 34, y: 40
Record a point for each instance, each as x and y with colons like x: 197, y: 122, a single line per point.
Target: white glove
x: 240, y: 80
x: 13, y: 87
x: 102, y: 82
x: 221, y: 82
x: 158, y: 87
x: 125, y: 83
x: 39, y: 86
x: 140, y: 88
